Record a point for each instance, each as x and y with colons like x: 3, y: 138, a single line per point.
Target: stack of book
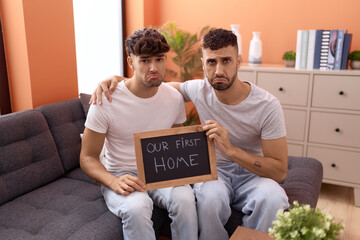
x: 322, y: 49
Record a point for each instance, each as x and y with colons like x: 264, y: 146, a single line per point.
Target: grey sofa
x: 45, y: 195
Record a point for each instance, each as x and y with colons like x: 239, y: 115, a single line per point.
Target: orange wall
x: 40, y: 51
x: 278, y: 21
x: 15, y: 45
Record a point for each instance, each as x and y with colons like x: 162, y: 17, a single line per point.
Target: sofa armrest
x: 303, y: 180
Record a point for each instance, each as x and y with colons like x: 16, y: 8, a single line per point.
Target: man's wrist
x: 231, y: 152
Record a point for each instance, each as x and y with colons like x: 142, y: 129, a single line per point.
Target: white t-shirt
x: 127, y: 114
x: 259, y: 116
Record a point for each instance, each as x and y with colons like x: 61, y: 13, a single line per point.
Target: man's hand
x: 218, y: 133
x: 107, y: 86
x: 127, y: 184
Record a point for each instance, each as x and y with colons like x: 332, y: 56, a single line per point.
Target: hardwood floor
x: 338, y: 201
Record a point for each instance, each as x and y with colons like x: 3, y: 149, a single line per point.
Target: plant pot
x: 289, y: 63
x: 355, y: 64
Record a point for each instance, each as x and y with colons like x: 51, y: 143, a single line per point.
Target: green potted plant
x: 302, y: 222
x: 289, y: 58
x: 186, y: 49
x: 187, y: 57
x: 354, y: 58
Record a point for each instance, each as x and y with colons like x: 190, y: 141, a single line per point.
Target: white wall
x: 98, y: 37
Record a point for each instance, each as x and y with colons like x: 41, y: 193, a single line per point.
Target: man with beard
x: 247, y: 125
x: 141, y: 103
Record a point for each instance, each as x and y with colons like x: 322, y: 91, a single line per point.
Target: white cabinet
x: 322, y: 116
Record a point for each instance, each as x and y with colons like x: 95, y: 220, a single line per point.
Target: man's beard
x: 222, y: 86
x: 154, y: 83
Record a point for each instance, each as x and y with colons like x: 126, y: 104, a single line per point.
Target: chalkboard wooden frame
x: 138, y: 136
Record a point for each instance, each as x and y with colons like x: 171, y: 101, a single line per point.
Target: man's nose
x: 219, y: 69
x: 153, y: 66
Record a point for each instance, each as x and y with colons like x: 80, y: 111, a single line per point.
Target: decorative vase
x: 355, y: 64
x: 235, y: 30
x: 289, y: 63
x: 255, y: 50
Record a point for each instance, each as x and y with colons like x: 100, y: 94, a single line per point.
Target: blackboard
x: 174, y: 156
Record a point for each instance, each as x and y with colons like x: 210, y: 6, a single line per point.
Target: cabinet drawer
x: 247, y: 76
x: 295, y: 124
x: 338, y: 165
x: 334, y: 128
x: 295, y: 150
x: 338, y: 92
x: 291, y: 89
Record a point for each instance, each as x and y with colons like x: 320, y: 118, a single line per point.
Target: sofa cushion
x: 66, y: 121
x: 78, y: 174
x: 63, y: 209
x: 28, y: 155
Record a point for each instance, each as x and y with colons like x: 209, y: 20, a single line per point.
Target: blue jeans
x: 135, y: 210
x: 257, y: 197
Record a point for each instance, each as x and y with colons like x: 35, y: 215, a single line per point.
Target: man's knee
x: 182, y: 198
x: 136, y: 207
x: 212, y: 195
x: 272, y: 195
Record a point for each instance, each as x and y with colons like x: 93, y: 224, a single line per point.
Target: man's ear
x: 130, y: 62
x: 239, y: 60
x: 203, y: 64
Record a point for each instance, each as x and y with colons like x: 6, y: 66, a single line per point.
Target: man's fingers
x: 104, y: 87
x: 113, y: 86
x: 92, y: 99
x: 126, y: 186
x: 136, y: 183
x: 98, y: 93
x: 123, y: 192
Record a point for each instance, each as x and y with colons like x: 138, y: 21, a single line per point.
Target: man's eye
x: 211, y: 62
x: 227, y: 60
x: 160, y: 59
x: 144, y: 60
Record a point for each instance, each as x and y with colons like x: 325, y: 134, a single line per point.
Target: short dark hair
x: 146, y: 41
x: 219, y: 38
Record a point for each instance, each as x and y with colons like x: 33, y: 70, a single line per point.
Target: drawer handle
x: 341, y: 92
x: 281, y: 89
x: 333, y: 165
x: 337, y: 129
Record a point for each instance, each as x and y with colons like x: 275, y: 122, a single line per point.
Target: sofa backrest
x: 28, y: 154
x: 66, y: 121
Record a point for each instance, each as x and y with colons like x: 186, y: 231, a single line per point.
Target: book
x: 298, y: 49
x: 318, y: 38
x: 339, y: 49
x: 324, y: 50
x: 304, y: 48
x: 332, y: 50
x: 346, y: 49
x: 311, y: 50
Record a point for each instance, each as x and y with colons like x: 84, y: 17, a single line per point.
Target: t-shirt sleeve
x: 97, y: 119
x: 274, y: 124
x: 190, y: 89
x: 181, y: 116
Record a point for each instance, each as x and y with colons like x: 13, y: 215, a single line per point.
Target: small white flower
x: 327, y: 225
x: 294, y: 234
x: 304, y: 230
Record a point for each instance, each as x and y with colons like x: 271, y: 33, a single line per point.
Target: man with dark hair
x: 248, y: 128
x: 141, y: 103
